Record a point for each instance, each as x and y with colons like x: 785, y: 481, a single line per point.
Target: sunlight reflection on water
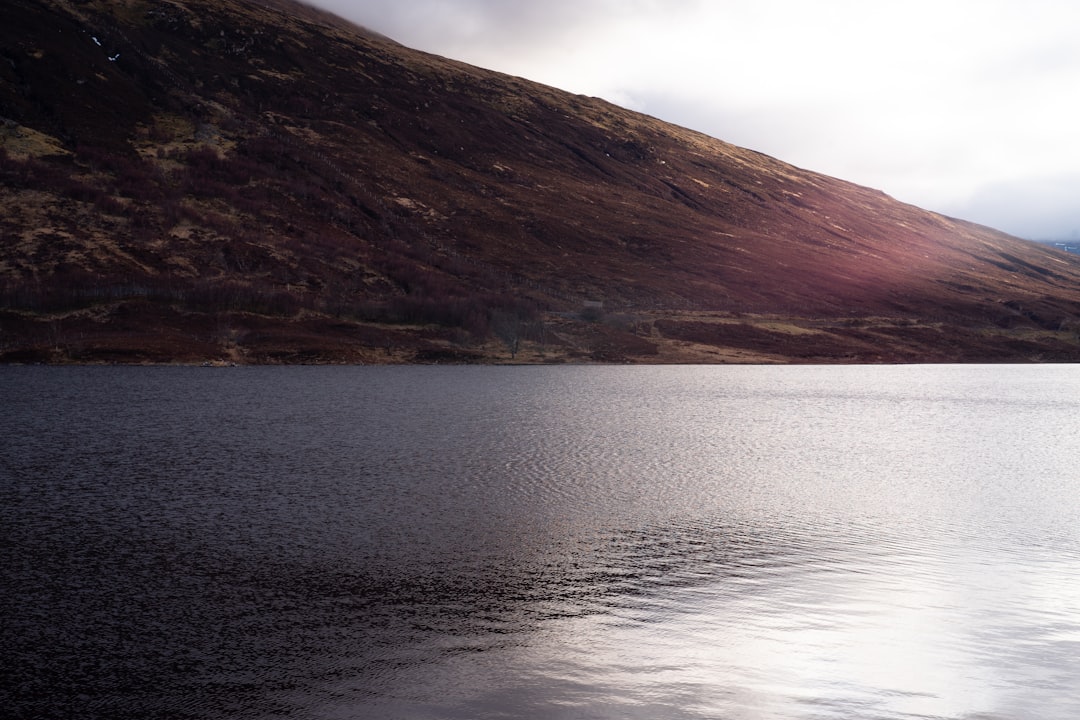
x: 737, y: 542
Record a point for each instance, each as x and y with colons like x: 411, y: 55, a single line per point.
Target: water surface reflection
x: 541, y: 542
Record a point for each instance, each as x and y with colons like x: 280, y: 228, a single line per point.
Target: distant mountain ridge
x: 1071, y: 246
x: 263, y: 182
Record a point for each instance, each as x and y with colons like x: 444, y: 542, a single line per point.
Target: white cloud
x: 933, y: 101
x: 1042, y: 208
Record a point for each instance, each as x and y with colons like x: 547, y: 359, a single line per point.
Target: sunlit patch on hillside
x: 21, y: 142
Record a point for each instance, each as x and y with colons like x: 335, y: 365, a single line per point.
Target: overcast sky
x: 966, y: 107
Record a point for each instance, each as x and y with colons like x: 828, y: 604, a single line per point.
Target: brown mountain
x: 187, y: 180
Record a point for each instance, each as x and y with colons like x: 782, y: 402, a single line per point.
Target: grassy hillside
x: 187, y: 180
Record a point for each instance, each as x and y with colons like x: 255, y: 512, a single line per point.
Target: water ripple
x: 541, y: 542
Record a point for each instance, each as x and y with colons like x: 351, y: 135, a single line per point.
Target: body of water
x: 541, y: 542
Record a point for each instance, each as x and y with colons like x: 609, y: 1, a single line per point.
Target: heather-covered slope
x: 259, y: 182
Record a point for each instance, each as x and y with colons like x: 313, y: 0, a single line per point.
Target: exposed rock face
x: 263, y: 182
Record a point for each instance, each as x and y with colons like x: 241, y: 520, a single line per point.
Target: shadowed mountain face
x: 262, y: 182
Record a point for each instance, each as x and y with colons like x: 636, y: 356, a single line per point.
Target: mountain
x: 231, y: 181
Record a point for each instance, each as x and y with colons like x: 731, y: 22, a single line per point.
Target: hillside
x: 231, y: 181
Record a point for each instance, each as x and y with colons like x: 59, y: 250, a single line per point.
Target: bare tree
x: 508, y: 327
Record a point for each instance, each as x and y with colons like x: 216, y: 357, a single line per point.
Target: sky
x: 965, y: 107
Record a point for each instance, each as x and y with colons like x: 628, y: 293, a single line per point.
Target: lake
x: 739, y: 542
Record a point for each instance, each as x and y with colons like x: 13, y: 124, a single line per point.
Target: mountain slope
x: 261, y: 181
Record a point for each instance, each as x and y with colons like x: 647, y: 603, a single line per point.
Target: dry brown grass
x: 395, y: 195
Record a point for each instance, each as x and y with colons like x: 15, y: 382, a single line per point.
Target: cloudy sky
x: 966, y: 107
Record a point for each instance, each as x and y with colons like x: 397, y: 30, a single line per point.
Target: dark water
x: 540, y: 542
